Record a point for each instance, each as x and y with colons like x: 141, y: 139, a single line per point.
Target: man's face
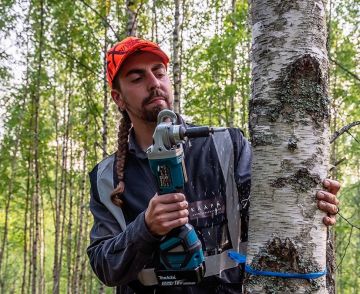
x: 145, y: 88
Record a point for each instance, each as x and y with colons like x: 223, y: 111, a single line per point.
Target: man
x: 130, y: 218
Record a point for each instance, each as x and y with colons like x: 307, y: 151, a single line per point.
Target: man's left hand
x: 328, y: 202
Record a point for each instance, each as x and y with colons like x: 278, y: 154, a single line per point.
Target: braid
x: 123, y: 137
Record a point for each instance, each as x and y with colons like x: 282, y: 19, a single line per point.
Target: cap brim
x: 143, y: 48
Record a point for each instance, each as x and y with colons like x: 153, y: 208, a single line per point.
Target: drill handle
x: 195, y: 132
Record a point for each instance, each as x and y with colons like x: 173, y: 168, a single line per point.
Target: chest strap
x: 215, y: 264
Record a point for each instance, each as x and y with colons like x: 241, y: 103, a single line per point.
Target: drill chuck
x: 195, y: 132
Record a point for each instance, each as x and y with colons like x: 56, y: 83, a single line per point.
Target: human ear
x: 116, y: 96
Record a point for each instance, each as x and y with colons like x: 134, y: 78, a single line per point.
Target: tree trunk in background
x: 36, y: 286
x: 289, y: 132
x: 176, y: 58
x: 25, y: 282
x: 64, y: 174
x: 9, y: 197
x: 104, y: 134
x: 79, y: 274
x: 357, y: 253
x: 25, y: 273
x: 232, y: 74
x: 69, y: 261
x: 57, y: 219
x: 131, y: 28
x: 61, y: 202
x: 154, y: 31
x: 42, y: 244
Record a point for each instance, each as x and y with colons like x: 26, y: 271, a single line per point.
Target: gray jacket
x: 123, y: 252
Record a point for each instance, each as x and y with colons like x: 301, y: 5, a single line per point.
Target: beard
x: 150, y: 114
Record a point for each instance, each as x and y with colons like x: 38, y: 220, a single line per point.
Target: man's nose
x: 153, y: 82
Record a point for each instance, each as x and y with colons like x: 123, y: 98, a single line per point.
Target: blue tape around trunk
x: 239, y: 258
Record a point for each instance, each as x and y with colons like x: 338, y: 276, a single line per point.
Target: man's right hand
x: 166, y: 212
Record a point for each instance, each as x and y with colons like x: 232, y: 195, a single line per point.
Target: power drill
x: 181, y: 254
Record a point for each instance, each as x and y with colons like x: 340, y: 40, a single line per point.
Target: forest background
x: 57, y: 119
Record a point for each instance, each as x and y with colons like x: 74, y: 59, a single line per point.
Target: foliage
x: 345, y: 92
x: 68, y: 92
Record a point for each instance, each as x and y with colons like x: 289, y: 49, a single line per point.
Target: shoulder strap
x: 225, y: 151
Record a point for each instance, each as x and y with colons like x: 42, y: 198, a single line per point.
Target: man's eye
x: 160, y: 74
x: 136, y: 79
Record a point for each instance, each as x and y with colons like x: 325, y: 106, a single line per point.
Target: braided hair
x: 123, y: 137
x: 121, y: 152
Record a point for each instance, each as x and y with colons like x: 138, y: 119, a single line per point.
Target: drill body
x: 181, y: 254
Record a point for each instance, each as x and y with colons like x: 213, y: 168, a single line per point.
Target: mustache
x: 155, y: 93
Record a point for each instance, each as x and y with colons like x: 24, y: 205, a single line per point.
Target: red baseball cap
x: 122, y: 50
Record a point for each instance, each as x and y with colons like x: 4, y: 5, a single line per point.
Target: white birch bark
x: 131, y: 27
x: 176, y: 57
x: 104, y: 132
x: 289, y: 133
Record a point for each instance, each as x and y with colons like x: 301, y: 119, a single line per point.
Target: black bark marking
x: 301, y: 181
x: 302, y: 93
x: 292, y: 143
x: 285, y: 6
x: 282, y: 256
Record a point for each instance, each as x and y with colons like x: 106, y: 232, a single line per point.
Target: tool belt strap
x: 214, y: 264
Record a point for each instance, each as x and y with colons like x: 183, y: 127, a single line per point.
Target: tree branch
x: 343, y: 130
x: 97, y: 74
x: 345, y: 69
x: 103, y: 19
x: 351, y: 224
x: 334, y: 165
x: 136, y: 14
x: 356, y: 140
x: 97, y: 144
x: 347, y: 245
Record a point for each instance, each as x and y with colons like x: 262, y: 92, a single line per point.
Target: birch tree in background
x: 131, y: 27
x: 289, y: 119
x: 176, y: 57
x: 57, y: 107
x: 106, y: 9
x: 37, y: 254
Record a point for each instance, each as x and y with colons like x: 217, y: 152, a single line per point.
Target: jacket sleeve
x: 117, y: 256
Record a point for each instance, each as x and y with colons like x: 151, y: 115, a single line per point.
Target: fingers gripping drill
x: 181, y: 255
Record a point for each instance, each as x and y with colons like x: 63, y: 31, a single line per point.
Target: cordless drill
x: 181, y: 254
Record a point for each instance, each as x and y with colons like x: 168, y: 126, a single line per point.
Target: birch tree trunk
x: 57, y: 212
x: 176, y: 57
x: 79, y: 274
x: 232, y: 71
x: 289, y: 119
x: 154, y: 29
x: 26, y: 235
x: 131, y: 27
x: 70, y: 229
x: 104, y: 133
x: 36, y: 280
